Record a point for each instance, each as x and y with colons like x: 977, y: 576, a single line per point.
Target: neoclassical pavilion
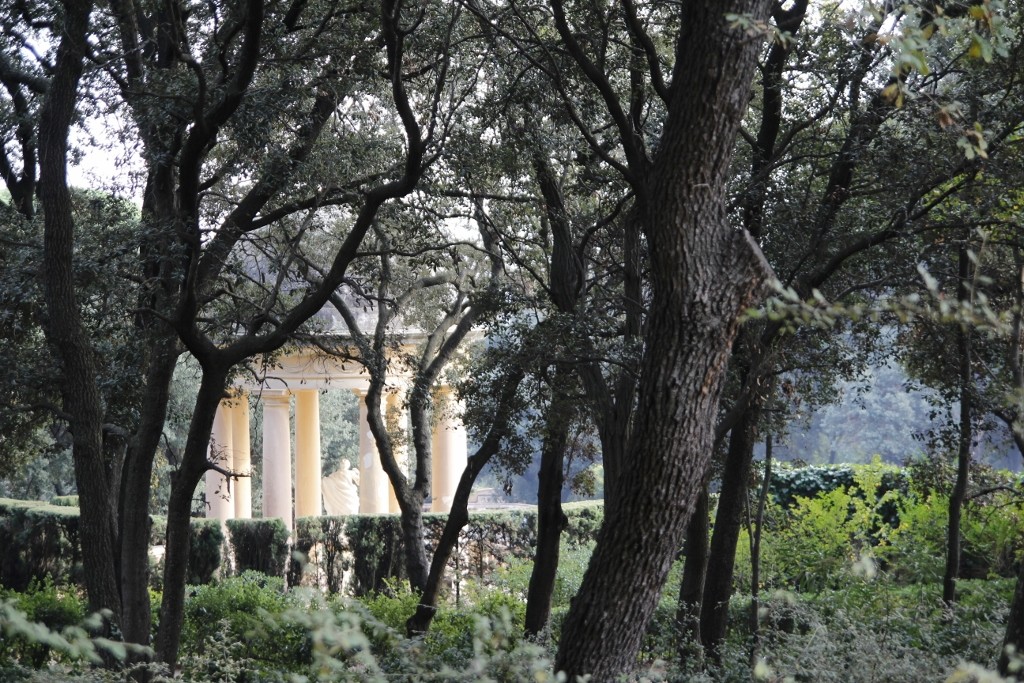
x: 295, y: 383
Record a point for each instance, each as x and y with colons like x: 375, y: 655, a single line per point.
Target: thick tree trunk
x: 695, y: 570
x: 64, y: 329
x: 714, y: 617
x: 963, y: 457
x: 551, y: 520
x: 179, y: 512
x: 703, y: 276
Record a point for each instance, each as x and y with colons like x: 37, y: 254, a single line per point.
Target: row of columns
x: 230, y: 448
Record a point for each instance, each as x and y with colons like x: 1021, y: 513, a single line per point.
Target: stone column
x: 449, y: 450
x: 220, y: 452
x: 277, y: 456
x: 397, y: 418
x: 373, y: 481
x: 308, y: 496
x: 242, y: 460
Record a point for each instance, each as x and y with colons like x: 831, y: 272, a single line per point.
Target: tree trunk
x: 1014, y: 637
x: 704, y: 275
x: 714, y: 617
x: 410, y: 498
x: 695, y: 569
x: 550, y: 518
x: 179, y: 512
x: 419, y: 622
x: 458, y: 517
x: 64, y: 329
x: 963, y: 458
x: 757, y: 526
x: 135, y: 496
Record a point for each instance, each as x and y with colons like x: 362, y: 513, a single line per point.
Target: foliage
x: 242, y: 612
x: 39, y: 541
x: 206, y: 553
x: 991, y: 531
x: 371, y: 546
x: 824, y: 534
x: 450, y: 640
x: 43, y: 603
x: 259, y: 544
x: 790, y: 483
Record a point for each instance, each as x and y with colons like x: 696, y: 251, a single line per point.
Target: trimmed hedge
x: 205, y: 556
x: 788, y: 484
x: 38, y: 541
x: 362, y: 553
x: 259, y: 545
x: 358, y: 553
x: 65, y: 501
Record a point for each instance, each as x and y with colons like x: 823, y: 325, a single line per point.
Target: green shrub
x: 243, y: 612
x: 789, y: 484
x: 64, y: 501
x: 992, y: 537
x: 56, y: 608
x: 584, y: 520
x: 375, y: 542
x: 371, y: 546
x: 205, y: 553
x: 157, y: 530
x: 38, y: 541
x: 259, y: 545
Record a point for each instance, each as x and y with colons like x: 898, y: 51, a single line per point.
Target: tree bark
x: 757, y: 527
x: 714, y: 617
x: 695, y: 569
x: 458, y: 517
x: 1014, y: 638
x: 194, y: 465
x: 551, y: 521
x: 704, y: 275
x: 135, y: 496
x: 64, y: 328
x: 963, y: 458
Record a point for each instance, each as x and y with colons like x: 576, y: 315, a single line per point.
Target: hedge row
x: 358, y: 553
x: 40, y: 540
x: 788, y: 484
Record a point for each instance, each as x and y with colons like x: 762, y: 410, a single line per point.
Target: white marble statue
x: 341, y: 491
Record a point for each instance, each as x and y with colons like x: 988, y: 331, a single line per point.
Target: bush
x: 820, y: 538
x: 205, y: 553
x: 450, y: 640
x: 38, y: 541
x: 371, y: 546
x: 243, y: 613
x: 56, y: 608
x: 259, y: 545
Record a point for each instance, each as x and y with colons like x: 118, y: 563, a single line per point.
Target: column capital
x: 276, y: 397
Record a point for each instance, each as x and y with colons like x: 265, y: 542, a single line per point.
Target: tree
x: 704, y: 275
x: 237, y: 107
x: 867, y: 216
